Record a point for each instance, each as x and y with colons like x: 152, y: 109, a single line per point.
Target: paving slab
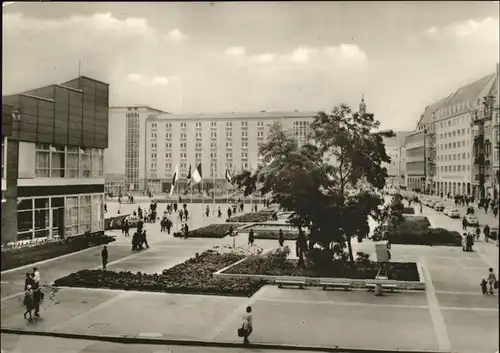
x: 168, y: 315
x: 468, y: 301
x: 338, y: 325
x: 472, y: 331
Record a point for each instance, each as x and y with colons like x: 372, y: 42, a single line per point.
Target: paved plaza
x: 451, y: 314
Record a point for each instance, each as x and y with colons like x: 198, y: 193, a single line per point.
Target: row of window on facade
x: 198, y: 145
x: 229, y: 124
x: 456, y: 144
x: 454, y: 157
x: 454, y: 168
x: 213, y: 155
x: 453, y: 133
x: 54, y: 161
x: 59, y: 216
x: 213, y: 135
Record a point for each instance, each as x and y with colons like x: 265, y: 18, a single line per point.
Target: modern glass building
x: 53, y: 158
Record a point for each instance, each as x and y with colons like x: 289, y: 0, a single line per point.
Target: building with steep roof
x: 444, y: 153
x: 52, y: 165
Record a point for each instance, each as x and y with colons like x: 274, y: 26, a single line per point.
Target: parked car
x: 438, y: 206
x: 452, y: 212
x: 471, y: 220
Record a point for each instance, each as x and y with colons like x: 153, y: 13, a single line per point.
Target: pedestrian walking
x: 492, y: 280
x: 207, y: 211
x: 486, y: 232
x: 281, y: 238
x: 104, y: 257
x: 247, y: 326
x: 484, y: 287
x: 28, y: 281
x: 229, y: 212
x: 29, y: 302
x: 219, y: 213
x: 464, y: 223
x: 478, y: 232
x: 186, y: 231
x: 181, y: 215
x: 251, y: 237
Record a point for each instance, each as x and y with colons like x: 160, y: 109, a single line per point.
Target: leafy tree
x: 319, y: 180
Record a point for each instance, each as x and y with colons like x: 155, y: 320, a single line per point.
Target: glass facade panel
x: 58, y: 161
x: 71, y: 218
x: 42, y: 161
x: 85, y: 162
x: 84, y: 213
x: 72, y: 160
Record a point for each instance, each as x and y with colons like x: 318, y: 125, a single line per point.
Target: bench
x: 328, y: 283
x: 390, y: 286
x: 290, y: 282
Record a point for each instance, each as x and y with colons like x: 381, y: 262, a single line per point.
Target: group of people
x: 490, y: 283
x: 33, y: 294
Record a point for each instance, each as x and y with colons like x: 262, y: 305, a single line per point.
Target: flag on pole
x: 174, y: 179
x: 189, y: 176
x: 197, y: 176
x: 228, y: 177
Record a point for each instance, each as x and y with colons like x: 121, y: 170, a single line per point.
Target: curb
x: 198, y: 343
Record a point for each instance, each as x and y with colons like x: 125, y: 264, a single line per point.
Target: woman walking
x: 247, y: 324
x: 492, y: 280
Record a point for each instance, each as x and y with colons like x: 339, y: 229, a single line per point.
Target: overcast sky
x: 220, y: 57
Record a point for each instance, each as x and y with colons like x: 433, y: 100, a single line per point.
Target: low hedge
x: 412, y: 225
x: 211, y: 231
x: 17, y: 257
x: 435, y: 236
x: 193, y: 276
x: 274, y: 235
x: 408, y: 210
x: 253, y: 217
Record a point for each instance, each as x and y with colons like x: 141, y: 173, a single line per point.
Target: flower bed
x: 271, y: 266
x: 211, y: 231
x: 274, y: 235
x: 20, y: 256
x: 193, y: 276
x: 253, y: 217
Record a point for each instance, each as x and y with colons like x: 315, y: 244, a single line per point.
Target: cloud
x: 469, y: 31
x: 301, y: 54
x: 160, y: 81
x: 176, y: 35
x: 134, y: 77
x: 235, y: 51
x: 145, y: 81
x: 343, y: 53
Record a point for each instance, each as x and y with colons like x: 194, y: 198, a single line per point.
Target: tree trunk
x: 349, y: 246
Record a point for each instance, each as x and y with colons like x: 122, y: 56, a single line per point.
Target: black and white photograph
x: 242, y: 176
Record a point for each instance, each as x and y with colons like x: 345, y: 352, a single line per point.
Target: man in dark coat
x: 104, y: 257
x: 186, y: 231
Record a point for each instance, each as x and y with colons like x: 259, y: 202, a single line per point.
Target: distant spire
x: 362, y: 105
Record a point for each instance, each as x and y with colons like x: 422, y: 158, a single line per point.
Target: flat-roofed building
x: 220, y: 142
x: 54, y: 160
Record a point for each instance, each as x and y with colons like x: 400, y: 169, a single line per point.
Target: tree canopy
x: 327, y: 180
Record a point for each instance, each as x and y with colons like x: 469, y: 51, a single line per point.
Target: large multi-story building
x: 53, y: 160
x: 218, y: 142
x: 394, y: 147
x: 415, y: 159
x: 125, y: 159
x: 440, y: 152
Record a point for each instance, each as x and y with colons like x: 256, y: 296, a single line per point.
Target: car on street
x: 471, y: 220
x: 452, y: 212
x: 133, y: 220
x: 438, y: 206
